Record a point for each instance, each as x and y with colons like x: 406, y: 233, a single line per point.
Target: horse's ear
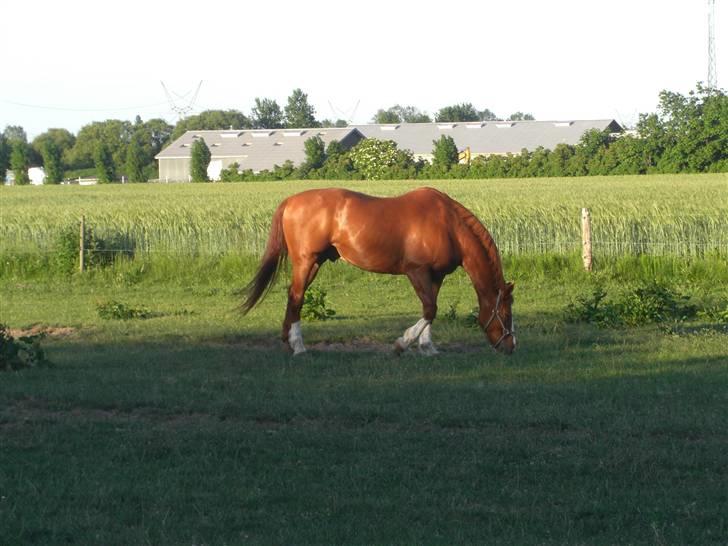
x: 509, y: 287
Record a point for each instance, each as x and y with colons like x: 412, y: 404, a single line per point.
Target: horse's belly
x: 375, y: 262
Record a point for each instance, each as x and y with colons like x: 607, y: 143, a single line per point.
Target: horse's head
x: 496, y: 320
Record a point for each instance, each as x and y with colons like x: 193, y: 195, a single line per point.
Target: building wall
x: 174, y: 169
x: 178, y: 169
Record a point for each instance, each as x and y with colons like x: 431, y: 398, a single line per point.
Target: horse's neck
x: 481, y: 268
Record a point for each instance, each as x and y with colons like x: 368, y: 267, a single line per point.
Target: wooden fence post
x: 81, y: 252
x: 586, y: 241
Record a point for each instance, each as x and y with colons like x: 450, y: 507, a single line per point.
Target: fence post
x: 81, y: 252
x: 586, y: 241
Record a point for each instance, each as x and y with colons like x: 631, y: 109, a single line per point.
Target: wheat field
x: 680, y: 215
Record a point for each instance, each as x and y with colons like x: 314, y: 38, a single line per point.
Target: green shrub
x: 654, y: 302
x: 23, y: 352
x: 116, y: 310
x: 648, y: 303
x: 315, y: 306
x: 593, y: 308
x: 99, y: 252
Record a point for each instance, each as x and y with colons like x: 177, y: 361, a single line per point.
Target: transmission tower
x: 182, y: 109
x: 712, y: 76
x: 347, y: 115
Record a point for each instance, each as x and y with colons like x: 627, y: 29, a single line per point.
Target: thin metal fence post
x: 81, y: 251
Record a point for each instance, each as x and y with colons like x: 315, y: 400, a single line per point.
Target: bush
x: 100, y: 252
x: 648, y: 303
x: 23, y: 352
x: 115, y: 310
x: 315, y: 306
x: 380, y: 159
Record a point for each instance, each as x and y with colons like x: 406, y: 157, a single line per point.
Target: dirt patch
x: 47, y: 331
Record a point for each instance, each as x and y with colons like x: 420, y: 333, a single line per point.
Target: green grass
x: 194, y: 426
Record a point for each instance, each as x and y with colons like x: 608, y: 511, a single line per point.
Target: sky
x: 67, y: 64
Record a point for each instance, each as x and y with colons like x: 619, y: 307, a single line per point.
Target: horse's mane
x: 483, y: 236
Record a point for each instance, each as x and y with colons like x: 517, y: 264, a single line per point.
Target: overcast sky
x: 68, y: 63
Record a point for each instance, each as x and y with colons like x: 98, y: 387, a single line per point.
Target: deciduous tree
x: 19, y: 162
x: 199, y: 161
x: 52, y: 164
x: 104, y: 163
x: 458, y: 112
x: 298, y: 111
x: 445, y: 153
x: 267, y: 114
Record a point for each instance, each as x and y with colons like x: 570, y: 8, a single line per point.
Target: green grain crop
x: 685, y: 215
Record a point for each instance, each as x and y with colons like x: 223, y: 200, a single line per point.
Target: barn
x: 257, y: 149
x: 487, y: 137
x: 263, y: 149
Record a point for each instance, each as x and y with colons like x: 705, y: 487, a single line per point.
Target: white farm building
x: 261, y: 149
x: 254, y: 149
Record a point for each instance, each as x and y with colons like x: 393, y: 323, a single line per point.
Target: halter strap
x: 506, y: 331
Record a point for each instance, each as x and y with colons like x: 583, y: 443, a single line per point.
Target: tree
x: 298, y: 112
x: 445, y: 153
x: 337, y: 123
x: 62, y: 140
x: 400, y: 114
x: 267, y: 114
x: 520, y: 116
x: 315, y: 152
x: 487, y: 115
x: 52, y: 164
x: 134, y: 160
x: 199, y: 161
x: 458, y: 112
x: 15, y: 133
x: 212, y: 120
x: 377, y: 159
x: 114, y: 134
x: 155, y: 134
x: 103, y: 163
x: 19, y: 162
x: 386, y: 116
x: 5, y: 150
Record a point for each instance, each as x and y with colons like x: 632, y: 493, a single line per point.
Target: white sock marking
x: 295, y: 339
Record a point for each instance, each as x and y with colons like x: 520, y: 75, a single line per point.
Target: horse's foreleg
x: 304, y: 272
x: 410, y: 335
x: 427, y: 289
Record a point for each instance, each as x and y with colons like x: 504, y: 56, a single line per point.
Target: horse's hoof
x: 429, y: 350
x: 399, y: 347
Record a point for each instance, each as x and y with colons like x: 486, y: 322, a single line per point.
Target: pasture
x: 194, y: 426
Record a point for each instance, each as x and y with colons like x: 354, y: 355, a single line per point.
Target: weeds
x: 315, y: 306
x: 649, y: 303
x: 21, y: 352
x: 116, y: 310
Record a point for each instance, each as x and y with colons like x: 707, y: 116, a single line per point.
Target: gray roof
x: 257, y: 149
x: 487, y: 137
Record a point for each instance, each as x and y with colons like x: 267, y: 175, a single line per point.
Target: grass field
x: 194, y: 426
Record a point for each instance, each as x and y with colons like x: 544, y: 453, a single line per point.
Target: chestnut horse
x: 423, y: 234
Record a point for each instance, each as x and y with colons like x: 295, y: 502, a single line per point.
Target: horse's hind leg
x: 304, y: 272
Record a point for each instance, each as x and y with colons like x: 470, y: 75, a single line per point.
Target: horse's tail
x: 274, y: 256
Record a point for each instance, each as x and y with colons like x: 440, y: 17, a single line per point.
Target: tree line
x: 687, y: 133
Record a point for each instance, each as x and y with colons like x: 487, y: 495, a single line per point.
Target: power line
x: 66, y: 109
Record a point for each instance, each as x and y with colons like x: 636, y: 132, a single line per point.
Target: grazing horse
x: 423, y: 234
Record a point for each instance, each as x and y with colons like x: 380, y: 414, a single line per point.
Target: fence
x: 251, y: 241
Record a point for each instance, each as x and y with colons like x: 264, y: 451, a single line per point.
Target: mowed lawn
x: 195, y: 426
